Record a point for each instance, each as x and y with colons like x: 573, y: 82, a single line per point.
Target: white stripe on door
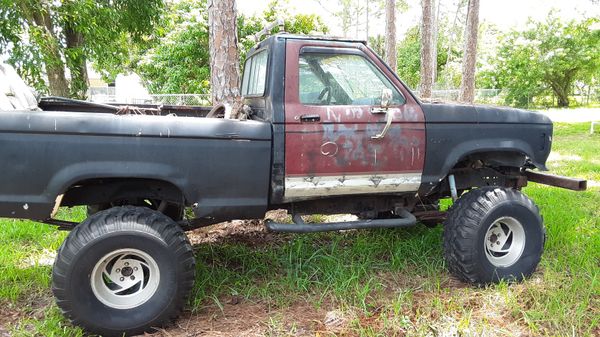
x: 305, y: 187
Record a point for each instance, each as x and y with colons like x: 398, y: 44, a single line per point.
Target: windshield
x: 342, y: 79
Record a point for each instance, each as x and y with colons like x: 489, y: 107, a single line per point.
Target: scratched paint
x: 348, y: 148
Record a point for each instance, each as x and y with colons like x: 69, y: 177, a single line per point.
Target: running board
x: 299, y: 226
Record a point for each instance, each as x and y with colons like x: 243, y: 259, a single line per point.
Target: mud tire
x: 470, y: 220
x: 137, y: 229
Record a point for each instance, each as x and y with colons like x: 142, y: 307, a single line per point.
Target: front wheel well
x: 494, y: 159
x: 485, y: 169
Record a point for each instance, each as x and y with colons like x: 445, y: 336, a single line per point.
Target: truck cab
x: 332, y: 135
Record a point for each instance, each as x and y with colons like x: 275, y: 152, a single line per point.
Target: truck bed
x: 65, y: 104
x: 44, y: 153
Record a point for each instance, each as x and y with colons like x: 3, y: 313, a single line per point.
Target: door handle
x: 310, y: 118
x: 388, y: 124
x: 378, y: 110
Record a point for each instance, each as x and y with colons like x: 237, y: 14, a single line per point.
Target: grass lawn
x: 356, y: 283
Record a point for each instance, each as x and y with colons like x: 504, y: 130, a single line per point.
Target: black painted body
x: 223, y: 165
x: 224, y: 169
x: 455, y: 131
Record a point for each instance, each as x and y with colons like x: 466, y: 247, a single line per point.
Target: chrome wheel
x: 125, y: 278
x: 504, y: 242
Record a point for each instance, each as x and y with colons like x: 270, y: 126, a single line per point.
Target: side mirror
x: 386, y: 98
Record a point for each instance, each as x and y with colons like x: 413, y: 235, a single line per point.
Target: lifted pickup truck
x: 328, y: 129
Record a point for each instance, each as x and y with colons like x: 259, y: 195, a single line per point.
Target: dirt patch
x: 251, y: 319
x: 9, y: 315
x: 246, y: 232
x: 34, y: 306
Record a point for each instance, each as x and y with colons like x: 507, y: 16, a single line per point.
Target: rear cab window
x: 255, y: 75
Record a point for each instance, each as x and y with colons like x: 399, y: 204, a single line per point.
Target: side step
x: 299, y: 226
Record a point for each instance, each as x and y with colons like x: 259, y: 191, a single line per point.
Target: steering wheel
x: 325, y: 91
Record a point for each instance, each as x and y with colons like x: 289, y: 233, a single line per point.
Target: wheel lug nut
x: 497, y: 242
x: 126, y: 263
x: 135, y: 268
x: 118, y: 270
x: 122, y: 279
x: 132, y: 278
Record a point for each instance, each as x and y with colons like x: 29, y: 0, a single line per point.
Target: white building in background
x: 127, y: 88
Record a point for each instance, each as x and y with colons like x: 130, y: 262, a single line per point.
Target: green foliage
x: 304, y: 24
x: 41, y: 35
x: 548, y: 57
x: 180, y: 62
x: 377, y: 43
x: 120, y: 39
x: 409, y: 56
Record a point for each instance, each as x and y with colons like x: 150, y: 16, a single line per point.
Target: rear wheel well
x: 102, y: 193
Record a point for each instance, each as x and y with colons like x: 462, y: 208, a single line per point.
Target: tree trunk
x: 357, y: 21
x: 224, y: 54
x: 390, y: 34
x: 367, y: 21
x: 434, y: 45
x: 562, y: 93
x: 57, y: 81
x: 346, y: 17
x: 563, y: 101
x: 76, y: 62
x: 427, y: 63
x: 467, y: 84
x: 41, y: 19
x: 451, y: 39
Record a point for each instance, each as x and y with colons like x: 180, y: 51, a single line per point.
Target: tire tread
x: 464, y: 222
x: 123, y: 218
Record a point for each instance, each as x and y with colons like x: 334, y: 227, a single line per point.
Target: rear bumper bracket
x: 558, y: 181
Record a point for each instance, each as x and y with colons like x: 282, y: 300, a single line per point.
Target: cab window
x: 255, y: 75
x: 342, y: 79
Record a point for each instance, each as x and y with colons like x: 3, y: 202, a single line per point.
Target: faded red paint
x: 340, y: 143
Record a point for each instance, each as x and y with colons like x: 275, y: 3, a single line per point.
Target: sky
x: 505, y: 14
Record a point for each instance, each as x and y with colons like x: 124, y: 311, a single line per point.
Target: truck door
x: 339, y: 139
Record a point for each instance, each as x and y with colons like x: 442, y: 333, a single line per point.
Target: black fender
x: 456, y: 132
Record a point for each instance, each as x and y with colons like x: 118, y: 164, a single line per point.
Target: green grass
x: 25, y: 270
x: 579, y: 151
x: 393, y: 282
